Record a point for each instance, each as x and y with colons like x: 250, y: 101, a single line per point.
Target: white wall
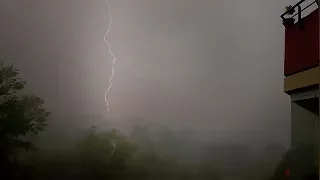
x: 303, y: 125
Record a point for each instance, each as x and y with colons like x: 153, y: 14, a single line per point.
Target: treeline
x: 141, y: 155
x: 108, y: 155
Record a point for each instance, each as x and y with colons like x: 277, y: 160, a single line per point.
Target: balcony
x: 301, y: 37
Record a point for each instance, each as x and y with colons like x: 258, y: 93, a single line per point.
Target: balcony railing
x: 301, y: 37
x: 297, y: 10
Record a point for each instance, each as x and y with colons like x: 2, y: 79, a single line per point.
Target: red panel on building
x: 302, y: 45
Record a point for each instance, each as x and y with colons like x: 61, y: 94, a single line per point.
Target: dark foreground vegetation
x: 109, y: 154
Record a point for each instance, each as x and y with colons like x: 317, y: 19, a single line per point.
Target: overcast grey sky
x: 214, y: 65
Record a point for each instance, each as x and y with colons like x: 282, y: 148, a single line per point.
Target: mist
x: 212, y: 67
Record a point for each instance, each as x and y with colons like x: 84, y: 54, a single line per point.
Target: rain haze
x: 214, y: 66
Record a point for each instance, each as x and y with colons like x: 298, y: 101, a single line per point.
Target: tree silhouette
x: 22, y: 117
x: 300, y: 162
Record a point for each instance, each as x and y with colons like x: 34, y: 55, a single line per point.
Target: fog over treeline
x: 198, y: 86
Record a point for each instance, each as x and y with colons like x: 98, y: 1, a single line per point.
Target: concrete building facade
x: 302, y: 73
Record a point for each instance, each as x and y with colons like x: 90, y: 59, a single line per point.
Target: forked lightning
x: 114, y: 59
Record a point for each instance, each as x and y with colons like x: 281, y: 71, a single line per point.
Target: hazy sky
x: 215, y: 65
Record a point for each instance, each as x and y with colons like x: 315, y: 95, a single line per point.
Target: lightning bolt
x: 114, y: 59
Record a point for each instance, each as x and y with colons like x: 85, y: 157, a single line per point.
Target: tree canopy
x: 22, y: 117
